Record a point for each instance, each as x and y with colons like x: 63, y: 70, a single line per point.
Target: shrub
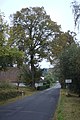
x: 43, y: 87
x: 5, y: 95
x: 5, y: 85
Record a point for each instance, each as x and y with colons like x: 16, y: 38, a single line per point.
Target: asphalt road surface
x: 40, y: 106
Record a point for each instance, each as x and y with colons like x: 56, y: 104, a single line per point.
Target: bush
x: 5, y: 85
x: 5, y: 95
x: 43, y: 87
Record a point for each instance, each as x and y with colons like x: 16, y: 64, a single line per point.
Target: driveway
x: 40, y: 106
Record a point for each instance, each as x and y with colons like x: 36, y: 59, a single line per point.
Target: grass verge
x: 27, y: 92
x: 68, y: 107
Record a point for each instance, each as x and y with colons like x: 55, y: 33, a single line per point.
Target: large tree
x: 31, y: 31
x: 59, y: 46
x: 61, y: 42
x: 70, y: 66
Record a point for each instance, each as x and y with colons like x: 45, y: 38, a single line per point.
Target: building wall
x: 9, y: 75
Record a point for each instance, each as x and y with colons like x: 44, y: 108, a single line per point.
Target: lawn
x: 68, y: 107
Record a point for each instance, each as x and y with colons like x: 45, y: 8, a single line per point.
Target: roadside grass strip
x: 68, y: 107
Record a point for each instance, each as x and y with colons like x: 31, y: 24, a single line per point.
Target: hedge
x: 5, y: 95
x: 43, y: 87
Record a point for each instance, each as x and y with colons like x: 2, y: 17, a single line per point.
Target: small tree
x: 49, y: 78
x: 25, y: 75
x: 8, y: 55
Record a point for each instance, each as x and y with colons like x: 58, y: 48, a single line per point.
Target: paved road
x: 40, y: 106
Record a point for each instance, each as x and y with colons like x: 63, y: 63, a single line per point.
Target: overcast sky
x: 59, y: 10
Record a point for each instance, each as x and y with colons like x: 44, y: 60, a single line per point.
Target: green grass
x: 68, y: 107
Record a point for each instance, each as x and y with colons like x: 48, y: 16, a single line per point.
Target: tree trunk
x: 32, y: 71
